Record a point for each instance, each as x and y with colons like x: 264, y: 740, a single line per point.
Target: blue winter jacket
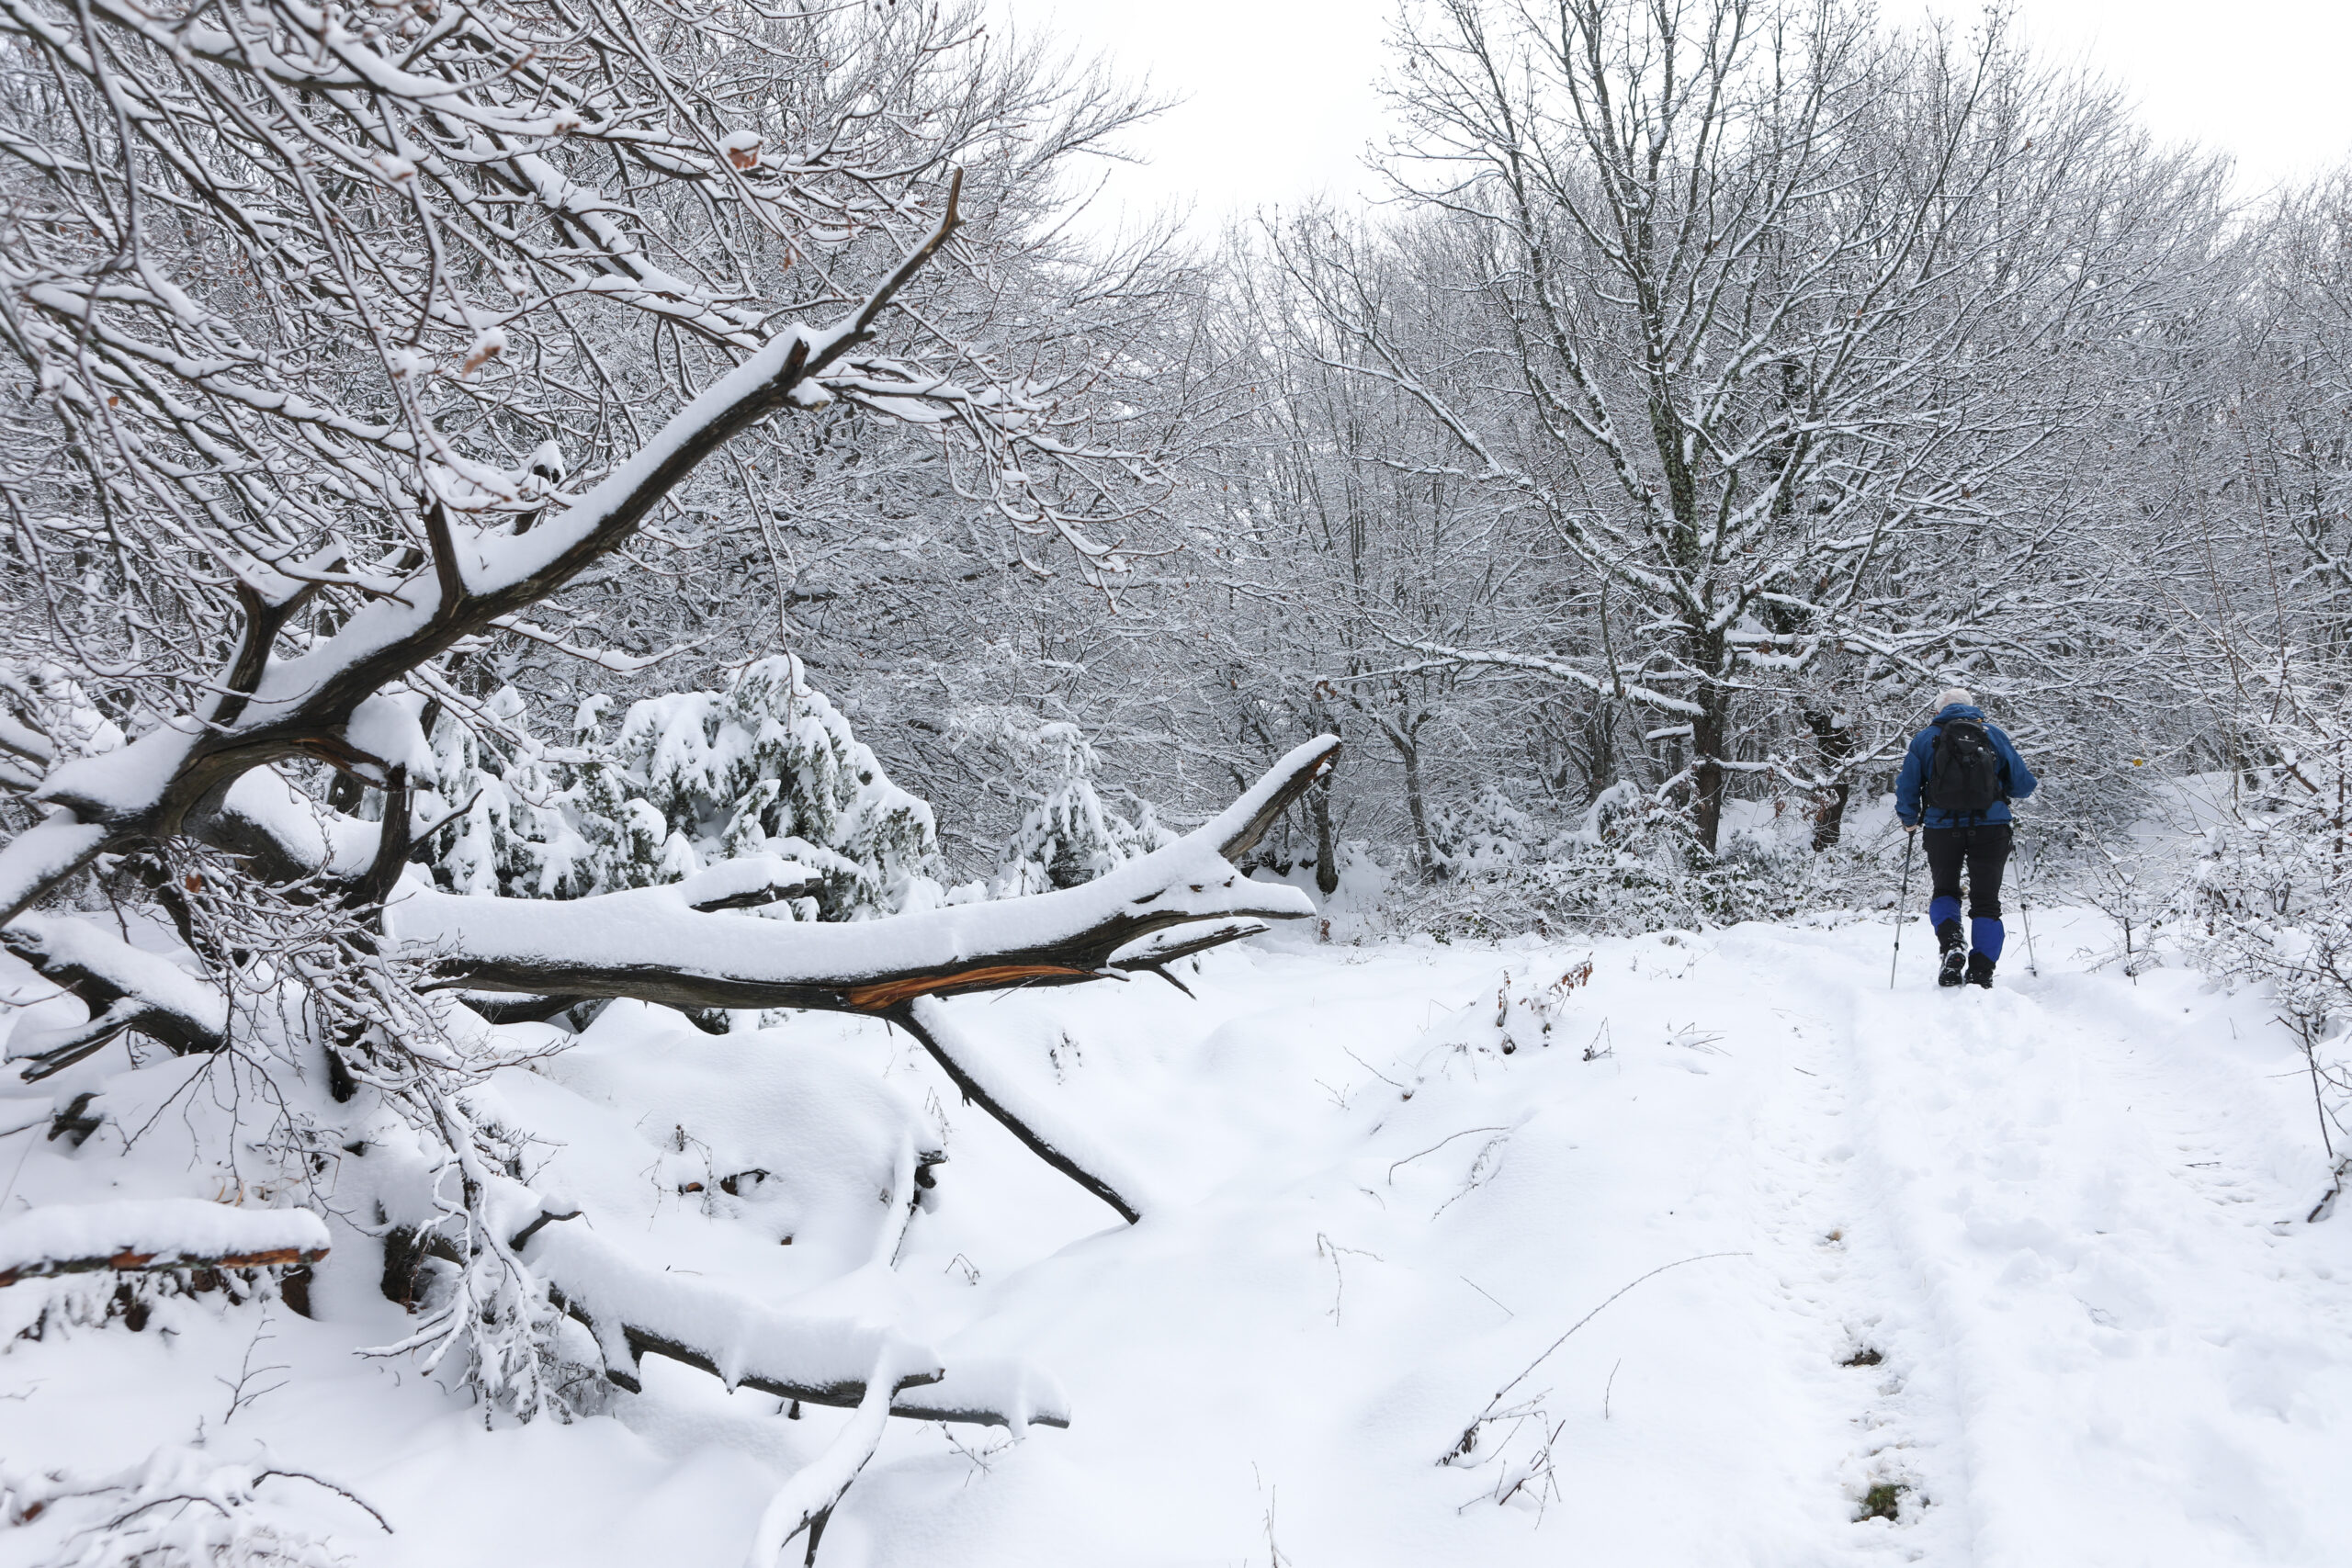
x: 1919, y: 762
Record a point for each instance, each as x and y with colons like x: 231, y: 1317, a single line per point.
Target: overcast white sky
x: 1279, y: 101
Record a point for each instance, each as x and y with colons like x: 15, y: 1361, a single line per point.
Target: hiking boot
x: 1955, y: 952
x: 1980, y: 971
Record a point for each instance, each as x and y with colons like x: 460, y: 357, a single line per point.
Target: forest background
x: 513, y: 507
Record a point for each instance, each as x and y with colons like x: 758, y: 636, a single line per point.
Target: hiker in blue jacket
x: 1958, y: 779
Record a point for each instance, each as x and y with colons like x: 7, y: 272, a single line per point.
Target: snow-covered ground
x: 2038, y: 1258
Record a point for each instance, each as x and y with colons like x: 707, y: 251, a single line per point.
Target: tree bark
x: 1709, y: 739
x: 156, y: 1262
x: 1835, y: 744
x: 1327, y: 861
x: 1416, y: 803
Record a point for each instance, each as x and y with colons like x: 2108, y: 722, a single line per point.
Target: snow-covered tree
x: 1071, y: 836
x: 768, y: 767
x: 344, y: 341
x: 1777, y: 321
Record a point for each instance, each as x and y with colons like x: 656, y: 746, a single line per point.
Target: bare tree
x: 1777, y: 318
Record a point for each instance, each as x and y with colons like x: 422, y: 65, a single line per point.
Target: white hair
x: 1954, y: 694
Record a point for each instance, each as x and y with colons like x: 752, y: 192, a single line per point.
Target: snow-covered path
x: 2059, y: 1226
x: 2099, y: 1188
x: 2030, y: 1268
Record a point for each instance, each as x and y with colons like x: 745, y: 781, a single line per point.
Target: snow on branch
x: 650, y: 944
x: 807, y: 1500
x: 164, y: 1233
x: 45, y: 854
x: 1236, y: 830
x: 1441, y: 657
x: 1068, y: 1147
x: 123, y: 987
x: 635, y: 1311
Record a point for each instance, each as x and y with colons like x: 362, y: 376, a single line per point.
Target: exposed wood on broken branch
x: 155, y: 1262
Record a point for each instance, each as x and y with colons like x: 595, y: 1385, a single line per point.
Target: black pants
x: 1983, y: 851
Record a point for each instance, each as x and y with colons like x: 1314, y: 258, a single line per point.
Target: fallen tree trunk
x: 655, y: 944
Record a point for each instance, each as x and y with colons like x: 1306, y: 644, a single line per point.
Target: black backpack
x: 1964, y: 774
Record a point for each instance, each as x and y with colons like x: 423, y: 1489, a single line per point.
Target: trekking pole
x: 2025, y: 908
x: 1901, y: 900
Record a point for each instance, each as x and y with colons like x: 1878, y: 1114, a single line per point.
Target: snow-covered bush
x: 1070, y: 836
x: 2270, y: 901
x: 1632, y: 863
x: 181, y: 1507
x: 2273, y: 905
x: 1487, y: 836
x: 769, y: 766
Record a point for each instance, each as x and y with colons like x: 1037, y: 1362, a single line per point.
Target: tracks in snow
x: 1838, y: 1256
x: 2075, y: 1216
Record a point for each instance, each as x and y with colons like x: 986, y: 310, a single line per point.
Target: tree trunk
x: 1327, y: 864
x: 1834, y: 742
x: 1710, y: 737
x: 1416, y: 803
x: 1600, y: 748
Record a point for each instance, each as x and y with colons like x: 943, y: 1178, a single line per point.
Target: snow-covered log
x: 130, y: 1236
x: 635, y: 1311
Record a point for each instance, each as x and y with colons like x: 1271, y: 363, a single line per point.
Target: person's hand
x: 1910, y: 827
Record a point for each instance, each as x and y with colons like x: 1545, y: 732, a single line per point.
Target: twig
x: 1359, y: 1061
x: 1483, y: 1290
x: 2327, y: 1204
x: 353, y: 1498
x: 247, y: 1372
x: 1274, y: 1558
x: 2311, y: 1059
x: 1597, y: 1311
x: 1438, y: 1145
x: 1326, y: 1247
x: 1479, y: 1171
x: 1469, y: 1439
